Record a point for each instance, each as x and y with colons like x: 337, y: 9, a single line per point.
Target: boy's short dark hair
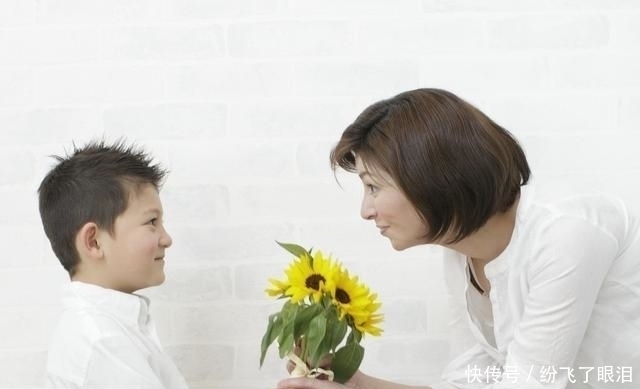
x: 92, y: 184
x: 455, y: 165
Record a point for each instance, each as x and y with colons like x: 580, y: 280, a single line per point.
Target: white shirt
x: 564, y: 303
x: 106, y: 339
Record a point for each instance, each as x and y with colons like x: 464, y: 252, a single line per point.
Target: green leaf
x: 314, y: 338
x: 272, y: 332
x: 355, y: 336
x: 337, y: 333
x: 286, y: 337
x: 304, y: 317
x: 346, y: 362
x: 294, y: 249
x: 286, y: 340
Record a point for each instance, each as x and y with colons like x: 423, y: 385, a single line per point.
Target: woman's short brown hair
x: 455, y: 165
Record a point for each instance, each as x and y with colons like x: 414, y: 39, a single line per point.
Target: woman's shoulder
x: 579, y: 213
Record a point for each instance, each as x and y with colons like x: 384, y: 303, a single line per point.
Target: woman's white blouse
x: 564, y: 305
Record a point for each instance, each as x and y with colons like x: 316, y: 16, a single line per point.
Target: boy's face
x: 134, y: 253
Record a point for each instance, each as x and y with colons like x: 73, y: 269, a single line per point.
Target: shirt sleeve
x: 563, y: 280
x: 568, y: 266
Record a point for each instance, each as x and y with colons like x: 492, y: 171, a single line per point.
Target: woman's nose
x: 367, y: 211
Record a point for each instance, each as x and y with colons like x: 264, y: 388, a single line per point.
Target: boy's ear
x: 87, y: 241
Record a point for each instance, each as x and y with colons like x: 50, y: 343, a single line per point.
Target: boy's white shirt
x: 107, y: 339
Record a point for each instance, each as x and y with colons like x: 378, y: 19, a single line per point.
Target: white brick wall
x: 242, y: 100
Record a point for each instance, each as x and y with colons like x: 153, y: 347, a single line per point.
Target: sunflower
x: 355, y: 301
x: 309, y: 276
x: 277, y: 288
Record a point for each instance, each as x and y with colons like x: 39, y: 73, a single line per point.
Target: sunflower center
x: 342, y: 296
x: 313, y: 281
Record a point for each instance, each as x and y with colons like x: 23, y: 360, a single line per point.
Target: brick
x: 313, y: 159
x: 170, y: 121
x: 595, y: 71
x: 503, y: 6
x: 450, y: 6
x: 23, y: 209
x: 50, y: 280
x: 293, y: 201
x: 398, y: 357
x: 193, y: 284
x: 102, y: 11
x: 163, y: 43
x: 198, y: 362
x: 16, y: 166
x: 250, y: 160
x: 228, y: 80
x: 251, y: 280
x: 210, y: 243
x: 420, y: 37
x: 346, y: 239
x: 292, y: 118
x: 32, y: 251
x: 212, y: 9
x: 354, y: 8
x: 405, y: 317
x: 52, y: 45
x: 470, y: 76
x: 187, y: 204
x: 99, y: 84
x: 243, y: 323
x: 18, y: 12
x: 282, y: 39
x: 18, y: 87
x: 625, y: 33
x: 572, y: 112
x: 584, y: 152
x: 31, y: 327
x: 22, y: 368
x: 247, y: 361
x: 45, y: 126
x: 629, y: 113
x: 355, y: 78
x: 549, y: 31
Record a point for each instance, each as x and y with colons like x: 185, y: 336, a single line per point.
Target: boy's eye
x: 371, y: 188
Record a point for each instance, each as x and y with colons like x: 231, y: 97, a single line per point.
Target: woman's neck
x: 488, y: 242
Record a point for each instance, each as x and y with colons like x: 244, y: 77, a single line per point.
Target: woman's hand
x: 312, y: 383
x: 309, y: 383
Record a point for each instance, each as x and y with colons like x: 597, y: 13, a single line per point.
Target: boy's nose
x: 166, y: 240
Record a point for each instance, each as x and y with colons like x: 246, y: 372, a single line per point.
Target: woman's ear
x: 87, y: 241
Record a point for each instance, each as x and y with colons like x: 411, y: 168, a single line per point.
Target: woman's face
x: 385, y: 204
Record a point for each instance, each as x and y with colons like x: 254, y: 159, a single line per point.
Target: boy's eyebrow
x: 153, y: 210
x: 362, y: 174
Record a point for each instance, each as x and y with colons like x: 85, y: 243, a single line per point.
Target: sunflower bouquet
x: 324, y: 304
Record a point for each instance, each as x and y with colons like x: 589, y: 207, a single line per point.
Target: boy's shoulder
x: 93, y: 317
x: 93, y: 312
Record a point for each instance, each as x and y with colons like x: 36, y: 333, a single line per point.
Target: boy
x: 101, y: 211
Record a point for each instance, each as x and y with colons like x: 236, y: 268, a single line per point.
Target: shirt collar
x: 128, y: 307
x: 500, y: 264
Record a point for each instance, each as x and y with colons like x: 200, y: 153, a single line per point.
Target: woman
x: 542, y: 295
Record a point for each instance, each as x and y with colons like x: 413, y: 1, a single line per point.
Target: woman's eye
x: 153, y: 221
